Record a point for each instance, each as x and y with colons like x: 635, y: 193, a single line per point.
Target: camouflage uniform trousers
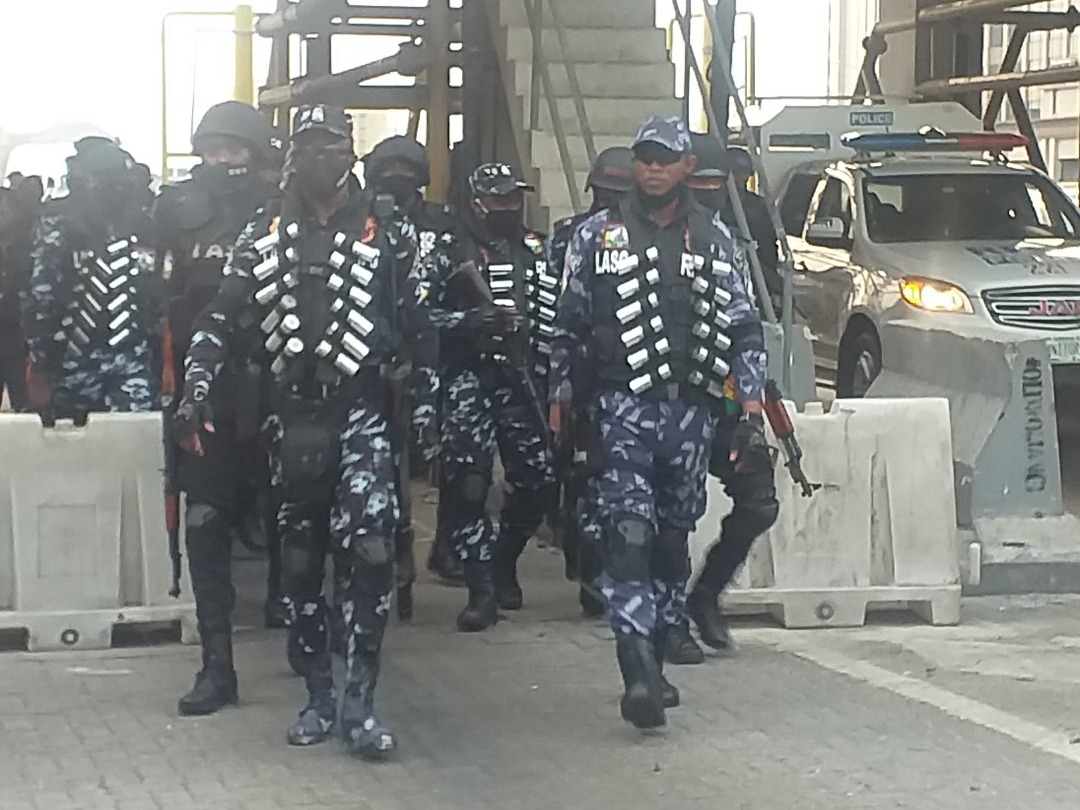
x: 477, y: 421
x: 106, y: 381
x: 355, y: 523
x: 655, y: 459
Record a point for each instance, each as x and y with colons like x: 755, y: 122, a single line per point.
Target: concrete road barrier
x: 1017, y: 535
x: 880, y: 532
x: 82, y: 530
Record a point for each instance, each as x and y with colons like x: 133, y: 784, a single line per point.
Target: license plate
x: 1064, y: 350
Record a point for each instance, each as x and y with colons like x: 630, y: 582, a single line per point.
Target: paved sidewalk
x: 525, y: 716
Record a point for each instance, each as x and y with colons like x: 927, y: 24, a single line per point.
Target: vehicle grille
x: 1051, y: 307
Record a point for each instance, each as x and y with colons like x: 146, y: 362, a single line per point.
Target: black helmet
x: 96, y: 154
x: 613, y: 170
x: 711, y: 156
x: 398, y: 148
x: 739, y: 162
x: 234, y: 119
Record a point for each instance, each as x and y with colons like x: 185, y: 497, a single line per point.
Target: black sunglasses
x: 656, y: 153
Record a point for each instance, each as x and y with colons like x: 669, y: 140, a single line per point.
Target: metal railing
x: 721, y: 67
x: 541, y: 80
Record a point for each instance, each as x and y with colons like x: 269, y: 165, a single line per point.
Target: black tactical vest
x: 661, y: 324
x: 198, y: 231
x: 104, y: 305
x: 518, y: 276
x: 326, y: 301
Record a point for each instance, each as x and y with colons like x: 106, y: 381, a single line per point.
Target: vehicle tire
x: 860, y: 364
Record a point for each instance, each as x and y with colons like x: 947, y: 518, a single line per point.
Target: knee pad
x: 526, y: 508
x: 300, y: 563
x: 628, y: 551
x: 204, y: 517
x: 755, y: 515
x: 672, y: 555
x: 473, y: 487
x: 372, y: 549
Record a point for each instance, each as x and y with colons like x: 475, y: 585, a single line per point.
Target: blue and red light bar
x: 932, y: 140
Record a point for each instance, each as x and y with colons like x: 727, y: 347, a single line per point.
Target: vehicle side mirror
x: 829, y: 232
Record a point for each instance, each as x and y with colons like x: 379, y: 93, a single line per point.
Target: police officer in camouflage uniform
x: 91, y: 313
x: 398, y: 167
x: 331, y: 295
x: 198, y: 222
x: 610, y: 179
x: 494, y: 344
x: 651, y: 288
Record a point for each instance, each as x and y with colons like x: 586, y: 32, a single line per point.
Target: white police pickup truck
x: 916, y: 221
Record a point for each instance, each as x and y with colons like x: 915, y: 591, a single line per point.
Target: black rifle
x: 469, y: 287
x: 172, y: 484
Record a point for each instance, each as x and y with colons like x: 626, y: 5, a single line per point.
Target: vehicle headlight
x: 934, y: 296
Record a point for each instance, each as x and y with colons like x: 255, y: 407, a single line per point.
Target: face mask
x: 664, y: 200
x: 606, y: 198
x: 322, y: 178
x: 711, y: 198
x: 222, y: 179
x: 504, y: 223
x: 401, y: 187
x: 106, y: 195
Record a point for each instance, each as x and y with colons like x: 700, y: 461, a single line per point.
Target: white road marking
x: 963, y: 708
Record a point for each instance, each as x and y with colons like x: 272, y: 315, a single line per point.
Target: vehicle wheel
x: 860, y: 364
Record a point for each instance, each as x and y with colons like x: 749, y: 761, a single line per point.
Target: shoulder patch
x: 615, y: 236
x: 534, y: 242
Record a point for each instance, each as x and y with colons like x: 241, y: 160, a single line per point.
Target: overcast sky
x: 99, y: 62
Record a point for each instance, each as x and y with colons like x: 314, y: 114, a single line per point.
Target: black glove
x: 749, y: 447
x: 192, y: 415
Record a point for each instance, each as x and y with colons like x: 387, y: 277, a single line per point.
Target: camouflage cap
x: 496, y: 180
x: 322, y: 116
x: 666, y: 130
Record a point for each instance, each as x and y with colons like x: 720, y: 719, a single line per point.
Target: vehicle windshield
x: 955, y: 207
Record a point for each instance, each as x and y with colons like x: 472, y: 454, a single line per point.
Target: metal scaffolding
x: 429, y: 53
x: 939, y: 22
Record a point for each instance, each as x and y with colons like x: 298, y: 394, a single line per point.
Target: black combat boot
x: 668, y: 691
x: 680, y: 647
x: 405, y: 603
x: 592, y: 605
x: 643, y: 702
x: 215, y: 685
x: 443, y: 561
x: 504, y: 561
x: 316, y: 721
x: 703, y: 606
x: 364, y: 735
x: 481, y: 612
x: 444, y: 564
x: 275, y: 612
